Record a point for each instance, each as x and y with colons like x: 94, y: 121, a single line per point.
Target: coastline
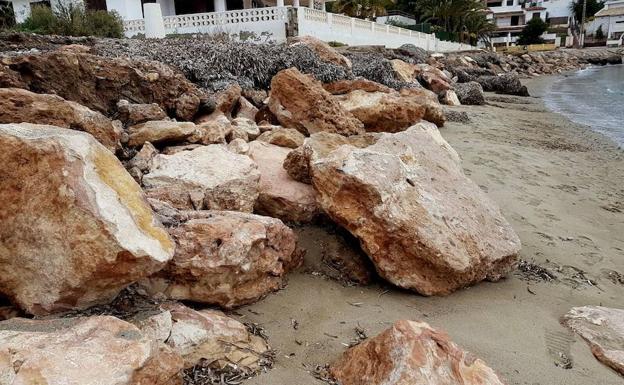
x: 559, y: 184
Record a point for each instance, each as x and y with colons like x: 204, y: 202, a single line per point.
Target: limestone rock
x: 238, y: 146
x: 342, y: 87
x: 226, y: 258
x: 433, y: 78
x: 410, y: 353
x: 433, y: 111
x: 246, y: 109
x: 99, y: 83
x: 449, y: 97
x: 424, y: 224
x: 77, y: 226
x: 404, y: 72
x: 227, y: 99
x: 100, y: 350
x: 298, y: 101
x: 248, y: 126
x: 281, y: 196
x: 383, y: 112
x: 132, y: 114
x: 470, y: 93
x: 160, y: 131
x: 205, y: 335
x: 323, y: 50
x: 284, y: 137
x: 213, y: 130
x: 603, y: 330
x: 19, y: 106
x: 209, y: 177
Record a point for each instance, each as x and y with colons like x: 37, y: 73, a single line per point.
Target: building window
x: 96, y: 5
x: 536, y: 15
x: 510, y: 2
x: 515, y: 20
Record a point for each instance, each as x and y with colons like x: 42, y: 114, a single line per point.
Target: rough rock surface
x: 248, y: 126
x: 450, y: 98
x: 208, y: 177
x: 298, y: 101
x: 341, y: 87
x: 19, y: 106
x: 284, y: 137
x: 323, y: 50
x: 204, y: 335
x: 226, y: 258
x: 383, y: 112
x: 99, y: 83
x: 281, y: 196
x: 246, y: 109
x: 77, y: 228
x: 424, y: 224
x: 433, y: 78
x: 158, y: 131
x: 100, y: 350
x: 411, y: 353
x: 508, y: 83
x: 603, y: 329
x: 470, y: 93
x: 131, y: 113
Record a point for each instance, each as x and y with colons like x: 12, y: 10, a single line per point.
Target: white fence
x: 271, y: 24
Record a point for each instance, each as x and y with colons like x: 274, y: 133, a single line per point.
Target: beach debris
x: 531, y: 271
x: 603, y: 330
x: 410, y: 352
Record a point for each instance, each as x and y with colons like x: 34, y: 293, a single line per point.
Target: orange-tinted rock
x: 284, y: 137
x: 76, y: 227
x: 411, y: 353
x: 100, y: 350
x: 22, y: 106
x: 157, y: 131
x: 131, y: 113
x: 281, y: 196
x: 433, y: 78
x: 226, y: 258
x: 246, y: 109
x: 323, y: 50
x: 603, y: 330
x: 341, y: 87
x: 298, y: 101
x: 99, y: 83
x: 423, y: 223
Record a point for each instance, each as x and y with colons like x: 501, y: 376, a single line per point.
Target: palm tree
x: 457, y: 16
x: 363, y: 9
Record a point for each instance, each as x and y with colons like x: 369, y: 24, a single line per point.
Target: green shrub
x: 600, y: 34
x: 532, y: 32
x: 7, y: 17
x: 72, y: 20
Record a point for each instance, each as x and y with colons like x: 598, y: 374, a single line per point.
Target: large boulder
x: 424, y: 224
x: 470, y: 93
x: 409, y: 353
x: 281, y: 196
x: 204, y: 336
x: 603, y: 329
x: 157, y: 131
x: 208, y: 177
x: 322, y: 50
x: 508, y: 83
x: 225, y: 258
x: 76, y: 226
x: 22, y: 106
x: 284, y: 137
x: 99, y: 83
x: 383, y: 112
x: 345, y: 86
x: 432, y: 78
x: 131, y: 113
x: 99, y: 350
x: 298, y: 101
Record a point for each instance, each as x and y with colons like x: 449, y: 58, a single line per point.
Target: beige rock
x: 341, y: 87
x: 449, y: 97
x: 433, y: 78
x: 227, y: 99
x: 246, y: 109
x: 433, y: 111
x: 237, y: 132
x: 208, y: 177
x: 18, y: 106
x: 239, y: 146
x: 170, y: 150
x: 297, y: 162
x: 226, y: 258
x: 132, y: 114
x: 212, y: 130
x: 298, y: 101
x: 284, y: 137
x: 248, y: 126
x: 424, y: 224
x: 405, y: 72
x: 160, y: 131
x: 281, y: 196
x: 207, y: 336
x: 100, y: 350
x: 383, y: 112
x: 411, y: 353
x: 323, y: 50
x: 77, y: 226
x: 99, y: 83
x: 142, y: 161
x: 603, y: 330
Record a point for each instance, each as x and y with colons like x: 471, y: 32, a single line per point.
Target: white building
x: 611, y: 19
x: 511, y: 16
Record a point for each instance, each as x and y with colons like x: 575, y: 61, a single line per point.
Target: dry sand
x: 562, y: 188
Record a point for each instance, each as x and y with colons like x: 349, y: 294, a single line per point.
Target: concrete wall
x: 128, y: 9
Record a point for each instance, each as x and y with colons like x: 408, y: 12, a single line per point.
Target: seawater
x: 594, y: 97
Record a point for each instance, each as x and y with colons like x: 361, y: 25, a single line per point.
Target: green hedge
x: 71, y: 20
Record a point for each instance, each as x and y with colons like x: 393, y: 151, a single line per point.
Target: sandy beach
x: 561, y: 187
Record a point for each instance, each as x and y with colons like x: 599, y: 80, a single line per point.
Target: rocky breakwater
x: 194, y: 204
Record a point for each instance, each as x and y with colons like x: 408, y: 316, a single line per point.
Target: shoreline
x: 559, y: 184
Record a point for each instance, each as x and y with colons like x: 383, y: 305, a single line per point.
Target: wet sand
x: 562, y: 188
